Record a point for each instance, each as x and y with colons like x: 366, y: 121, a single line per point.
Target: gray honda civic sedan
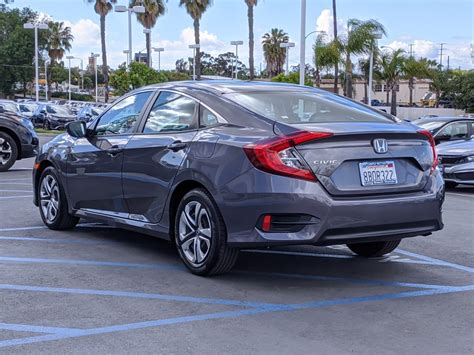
x: 219, y: 166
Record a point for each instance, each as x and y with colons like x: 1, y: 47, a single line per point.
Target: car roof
x: 445, y: 119
x: 232, y: 86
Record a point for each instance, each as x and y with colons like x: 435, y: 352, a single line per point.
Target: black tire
x: 219, y: 257
x: 450, y: 184
x: 10, y: 151
x: 61, y: 219
x: 374, y: 249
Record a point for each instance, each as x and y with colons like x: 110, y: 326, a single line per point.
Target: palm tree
x: 360, y: 39
x: 153, y: 10
x: 195, y: 9
x: 415, y: 69
x: 102, y: 8
x: 58, y: 43
x: 391, y: 70
x: 336, y: 64
x: 326, y: 56
x: 274, y: 55
x: 250, y: 6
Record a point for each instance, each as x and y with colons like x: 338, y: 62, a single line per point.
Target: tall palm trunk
x: 148, y: 48
x: 197, y: 60
x: 393, y: 106
x: 410, y: 87
x: 366, y: 92
x: 105, y: 70
x: 336, y: 65
x: 251, y: 41
x: 388, y: 85
x: 348, y: 78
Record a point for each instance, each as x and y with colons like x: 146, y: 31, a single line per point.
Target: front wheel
x: 201, y: 237
x: 52, y: 202
x: 374, y: 249
x: 8, y: 151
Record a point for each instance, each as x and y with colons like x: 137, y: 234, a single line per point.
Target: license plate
x: 378, y: 173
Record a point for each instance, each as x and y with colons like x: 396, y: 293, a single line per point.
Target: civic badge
x: 380, y: 145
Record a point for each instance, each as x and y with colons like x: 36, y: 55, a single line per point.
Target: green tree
x: 102, y: 8
x: 274, y: 55
x: 137, y: 75
x: 195, y: 9
x: 360, y: 39
x: 415, y: 69
x: 292, y: 78
x: 326, y: 56
x: 153, y: 10
x: 391, y: 70
x: 250, y: 5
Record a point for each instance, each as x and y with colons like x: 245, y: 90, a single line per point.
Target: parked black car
x: 446, y: 129
x: 18, y: 139
x: 50, y: 116
x: 217, y: 166
x: 88, y: 113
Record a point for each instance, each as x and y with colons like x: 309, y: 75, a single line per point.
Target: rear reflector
x: 428, y: 135
x: 267, y: 223
x: 278, y: 155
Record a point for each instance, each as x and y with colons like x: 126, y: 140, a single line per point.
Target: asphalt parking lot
x: 99, y: 289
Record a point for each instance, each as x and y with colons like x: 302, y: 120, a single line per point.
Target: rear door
x: 154, y: 155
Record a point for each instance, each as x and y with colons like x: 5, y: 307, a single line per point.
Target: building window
x: 386, y: 88
x: 378, y: 87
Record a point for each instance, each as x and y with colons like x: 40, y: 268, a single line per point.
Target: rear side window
x: 295, y: 107
x: 171, y: 112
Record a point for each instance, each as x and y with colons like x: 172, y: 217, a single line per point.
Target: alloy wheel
x: 5, y: 151
x: 49, y: 198
x: 195, y: 232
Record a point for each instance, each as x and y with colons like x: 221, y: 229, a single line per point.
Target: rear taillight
x: 278, y: 155
x: 433, y: 148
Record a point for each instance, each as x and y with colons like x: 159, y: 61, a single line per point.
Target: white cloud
x: 324, y: 22
x: 85, y: 31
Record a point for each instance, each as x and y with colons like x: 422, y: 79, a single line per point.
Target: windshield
x: 60, y: 110
x: 297, y: 107
x: 431, y: 125
x: 8, y: 106
x: 27, y: 107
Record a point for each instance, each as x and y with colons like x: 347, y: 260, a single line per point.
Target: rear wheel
x: 201, y: 237
x: 52, y: 202
x: 8, y: 151
x: 374, y: 249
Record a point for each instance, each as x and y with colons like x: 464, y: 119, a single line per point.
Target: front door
x: 153, y: 156
x: 94, y: 172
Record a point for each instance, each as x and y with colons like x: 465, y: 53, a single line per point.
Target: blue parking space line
x: 131, y: 294
x: 344, y: 279
x: 233, y: 314
x: 90, y: 263
x: 437, y: 261
x: 37, y: 328
x: 49, y: 240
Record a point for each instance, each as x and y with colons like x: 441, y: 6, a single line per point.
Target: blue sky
x: 423, y: 23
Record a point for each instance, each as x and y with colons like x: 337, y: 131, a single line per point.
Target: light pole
x: 377, y: 36
x: 287, y: 46
x: 303, y: 42
x: 159, y: 50
x: 126, y: 51
x: 95, y: 56
x: 46, y: 79
x: 139, y: 9
x: 69, y: 57
x: 194, y: 47
x: 35, y: 27
x: 236, y: 44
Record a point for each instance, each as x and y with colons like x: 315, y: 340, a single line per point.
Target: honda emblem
x: 380, y: 145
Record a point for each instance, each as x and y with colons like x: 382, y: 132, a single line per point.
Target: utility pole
x: 441, y: 55
x: 447, y: 67
x: 411, y: 50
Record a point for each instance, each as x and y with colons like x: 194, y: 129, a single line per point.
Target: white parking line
x: 15, y: 190
x: 12, y: 197
x: 16, y: 183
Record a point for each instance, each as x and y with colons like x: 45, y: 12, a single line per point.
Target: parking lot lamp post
x: 303, y: 41
x: 287, y: 46
x: 35, y: 27
x: 126, y: 51
x: 69, y: 57
x: 46, y: 79
x: 139, y: 9
x: 234, y: 67
x: 95, y: 56
x: 194, y: 47
x: 377, y: 36
x: 159, y: 50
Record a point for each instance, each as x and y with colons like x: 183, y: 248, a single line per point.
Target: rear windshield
x: 297, y: 107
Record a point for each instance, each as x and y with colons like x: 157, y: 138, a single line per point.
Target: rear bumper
x: 338, y: 221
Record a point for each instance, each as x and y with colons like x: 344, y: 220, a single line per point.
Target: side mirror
x: 76, y: 129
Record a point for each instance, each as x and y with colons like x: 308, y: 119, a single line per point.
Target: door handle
x: 114, y: 150
x: 176, y: 146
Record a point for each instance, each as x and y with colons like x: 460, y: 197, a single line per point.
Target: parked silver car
x: 457, y: 162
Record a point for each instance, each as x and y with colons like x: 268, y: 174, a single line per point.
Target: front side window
x: 297, y: 107
x: 458, y: 130
x: 171, y: 112
x: 122, y: 116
